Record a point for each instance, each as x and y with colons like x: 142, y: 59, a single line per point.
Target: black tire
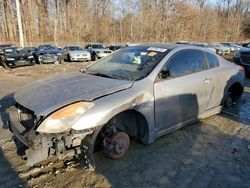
x: 95, y: 57
x: 228, y: 101
x: 68, y: 58
x: 2, y: 62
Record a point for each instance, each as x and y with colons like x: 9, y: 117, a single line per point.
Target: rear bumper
x: 13, y: 64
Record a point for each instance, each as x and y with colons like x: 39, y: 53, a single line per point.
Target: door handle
x: 207, y: 80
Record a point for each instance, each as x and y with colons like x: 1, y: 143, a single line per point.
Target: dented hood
x: 46, y: 96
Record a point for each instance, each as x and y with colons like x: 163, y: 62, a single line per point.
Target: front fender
x: 109, y: 106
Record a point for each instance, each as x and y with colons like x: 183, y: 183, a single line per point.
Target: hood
x: 46, y: 96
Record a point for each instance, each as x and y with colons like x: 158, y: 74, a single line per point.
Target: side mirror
x: 89, y: 47
x: 164, y: 73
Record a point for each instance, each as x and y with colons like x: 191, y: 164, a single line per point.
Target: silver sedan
x: 142, y: 92
x: 75, y: 53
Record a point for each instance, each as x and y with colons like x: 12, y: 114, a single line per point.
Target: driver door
x: 184, y: 93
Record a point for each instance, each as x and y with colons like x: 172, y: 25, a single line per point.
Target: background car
x: 242, y: 57
x: 246, y: 45
x: 76, y: 53
x: 15, y: 57
x: 220, y: 49
x: 116, y: 47
x: 97, y: 51
x: 48, y: 54
x: 204, y: 45
x: 2, y: 46
x: 233, y: 47
x: 31, y: 49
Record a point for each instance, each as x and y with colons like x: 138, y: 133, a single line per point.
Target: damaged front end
x: 42, y: 146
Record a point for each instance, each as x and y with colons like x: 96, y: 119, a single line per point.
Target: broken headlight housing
x: 62, y: 119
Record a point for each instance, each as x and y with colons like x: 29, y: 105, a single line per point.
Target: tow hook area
x: 88, y: 152
x: 63, y: 146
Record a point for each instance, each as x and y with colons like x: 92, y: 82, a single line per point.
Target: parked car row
x: 222, y: 48
x: 11, y: 56
x: 242, y: 57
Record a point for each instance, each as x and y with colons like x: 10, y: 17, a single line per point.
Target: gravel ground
x: 214, y: 152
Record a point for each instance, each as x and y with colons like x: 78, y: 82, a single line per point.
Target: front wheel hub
x: 117, y: 146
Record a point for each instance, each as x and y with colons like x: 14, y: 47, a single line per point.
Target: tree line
x: 125, y: 21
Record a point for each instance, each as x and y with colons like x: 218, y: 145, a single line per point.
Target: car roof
x: 73, y: 45
x: 167, y: 46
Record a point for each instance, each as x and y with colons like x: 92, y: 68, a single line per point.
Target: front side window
x: 132, y: 63
x: 212, y: 60
x: 186, y: 62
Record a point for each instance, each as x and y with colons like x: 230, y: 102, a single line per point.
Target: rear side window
x: 186, y: 62
x: 213, y: 61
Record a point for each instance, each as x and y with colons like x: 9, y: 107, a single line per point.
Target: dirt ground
x: 214, y: 152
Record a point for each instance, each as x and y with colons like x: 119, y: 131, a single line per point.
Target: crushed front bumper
x: 41, y: 147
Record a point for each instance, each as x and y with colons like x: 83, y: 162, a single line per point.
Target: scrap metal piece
x: 87, y: 152
x: 37, y: 155
x: 87, y: 147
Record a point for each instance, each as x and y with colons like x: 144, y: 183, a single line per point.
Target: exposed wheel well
x: 130, y: 121
x: 235, y: 90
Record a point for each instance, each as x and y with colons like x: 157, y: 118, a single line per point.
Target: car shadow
x: 199, y: 155
x: 8, y: 175
x: 5, y: 103
x: 240, y: 111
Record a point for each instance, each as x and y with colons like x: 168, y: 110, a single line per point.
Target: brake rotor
x: 117, y: 146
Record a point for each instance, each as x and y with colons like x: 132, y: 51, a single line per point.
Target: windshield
x: 47, y: 47
x: 15, y: 51
x: 98, y: 46
x: 75, y: 48
x: 131, y: 63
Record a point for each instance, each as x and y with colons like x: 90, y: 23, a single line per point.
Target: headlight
x: 59, y: 54
x: 237, y: 54
x: 10, y: 59
x: 30, y: 57
x: 63, y: 119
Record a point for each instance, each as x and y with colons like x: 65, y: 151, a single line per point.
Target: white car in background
x: 75, y: 53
